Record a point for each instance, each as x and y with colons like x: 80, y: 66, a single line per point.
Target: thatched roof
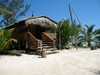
x: 41, y: 21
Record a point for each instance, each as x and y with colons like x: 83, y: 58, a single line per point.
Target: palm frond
x: 8, y: 43
x: 5, y: 40
x: 87, y: 26
x: 90, y: 28
x: 97, y: 31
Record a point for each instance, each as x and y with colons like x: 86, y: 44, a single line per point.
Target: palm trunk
x: 76, y: 42
x: 89, y: 44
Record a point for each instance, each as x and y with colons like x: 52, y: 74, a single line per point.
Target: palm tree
x: 97, y: 34
x: 75, y: 32
x: 5, y: 40
x: 64, y: 32
x: 87, y: 34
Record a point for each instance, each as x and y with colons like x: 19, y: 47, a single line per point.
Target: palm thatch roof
x: 41, y: 21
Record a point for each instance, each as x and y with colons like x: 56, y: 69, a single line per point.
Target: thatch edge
x: 12, y: 25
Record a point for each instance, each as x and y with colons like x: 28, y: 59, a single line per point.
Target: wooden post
x: 73, y: 26
x: 27, y: 30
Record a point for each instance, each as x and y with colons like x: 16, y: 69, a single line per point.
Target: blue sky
x: 88, y: 11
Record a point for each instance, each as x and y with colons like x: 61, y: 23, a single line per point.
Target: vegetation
x: 97, y: 34
x: 11, y: 10
x: 64, y: 32
x: 75, y: 32
x: 17, y: 9
x: 5, y: 40
x: 87, y: 34
x: 68, y: 33
x: 2, y: 10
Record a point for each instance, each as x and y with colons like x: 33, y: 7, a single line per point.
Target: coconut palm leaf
x: 97, y: 31
x: 97, y: 34
x: 5, y: 39
x: 88, y: 33
x: 8, y: 43
x: 89, y: 29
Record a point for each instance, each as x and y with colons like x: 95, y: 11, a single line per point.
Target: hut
x: 31, y: 33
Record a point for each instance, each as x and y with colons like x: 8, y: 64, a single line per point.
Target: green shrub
x: 5, y: 39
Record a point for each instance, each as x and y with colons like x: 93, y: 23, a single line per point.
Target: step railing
x: 48, y: 37
x: 34, y: 41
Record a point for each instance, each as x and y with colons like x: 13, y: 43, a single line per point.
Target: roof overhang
x: 42, y: 21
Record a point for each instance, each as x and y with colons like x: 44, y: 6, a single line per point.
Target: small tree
x: 2, y: 11
x: 5, y: 40
x: 64, y: 29
x: 75, y: 32
x: 87, y: 34
x: 17, y: 8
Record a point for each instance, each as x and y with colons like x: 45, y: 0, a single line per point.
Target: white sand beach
x: 67, y: 62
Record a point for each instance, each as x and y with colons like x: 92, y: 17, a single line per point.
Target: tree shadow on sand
x: 96, y: 72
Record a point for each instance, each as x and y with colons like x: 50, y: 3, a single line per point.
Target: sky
x: 88, y: 11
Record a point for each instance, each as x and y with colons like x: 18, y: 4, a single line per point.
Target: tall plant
x: 75, y: 32
x: 87, y: 34
x: 17, y: 7
x: 64, y: 32
x: 5, y: 40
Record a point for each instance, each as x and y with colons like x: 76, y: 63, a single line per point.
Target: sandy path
x: 66, y: 62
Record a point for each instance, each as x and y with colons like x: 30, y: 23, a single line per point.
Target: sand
x: 67, y: 62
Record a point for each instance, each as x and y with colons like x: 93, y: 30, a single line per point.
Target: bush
x: 5, y: 40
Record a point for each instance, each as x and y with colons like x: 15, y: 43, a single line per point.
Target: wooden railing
x: 32, y: 36
x: 49, y: 38
x: 34, y: 41
x: 46, y: 37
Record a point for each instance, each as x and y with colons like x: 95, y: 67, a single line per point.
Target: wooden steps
x: 48, y: 46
